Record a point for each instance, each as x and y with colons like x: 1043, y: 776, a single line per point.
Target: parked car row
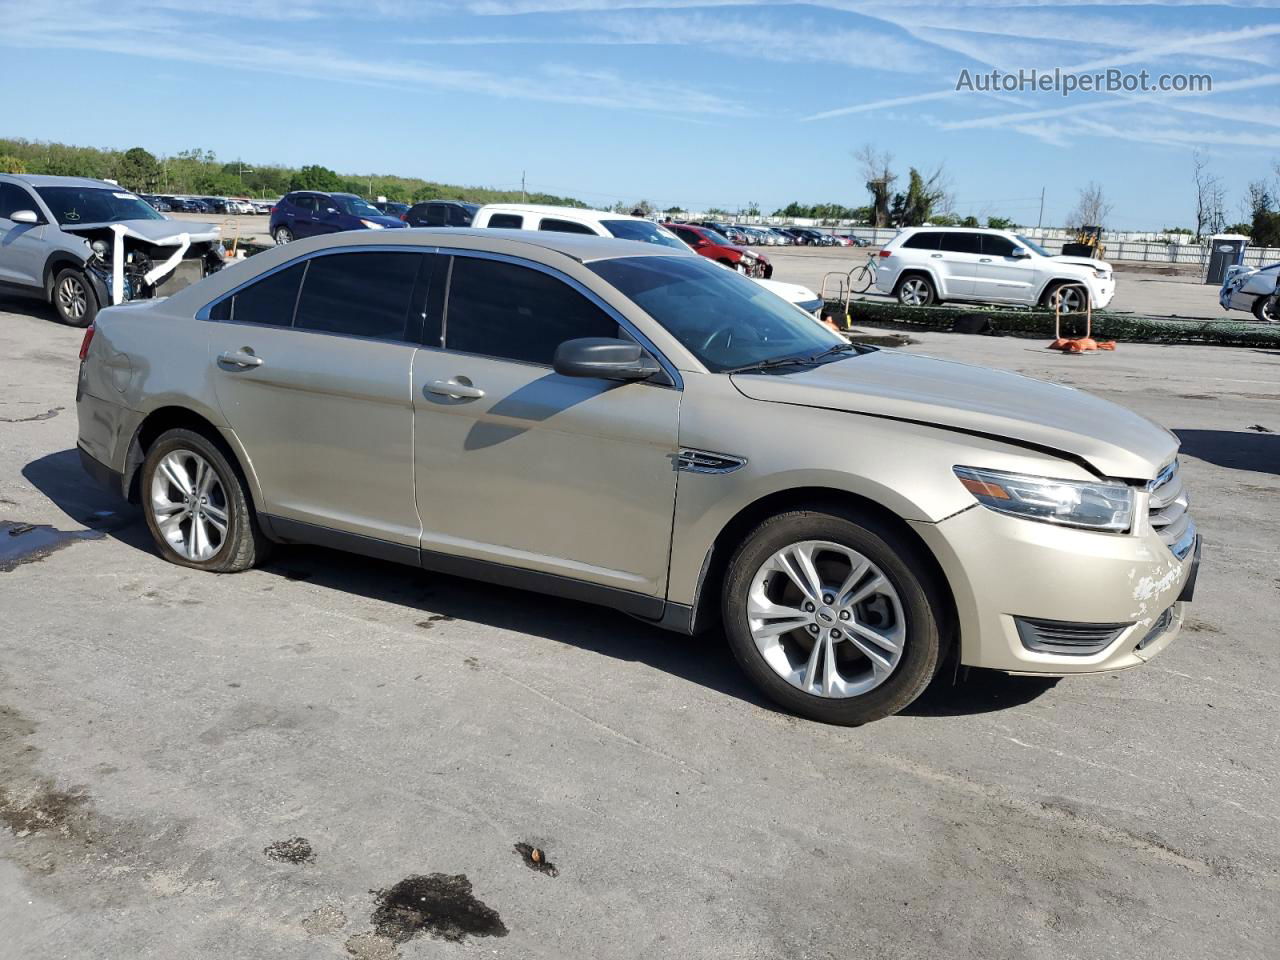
x: 233, y: 205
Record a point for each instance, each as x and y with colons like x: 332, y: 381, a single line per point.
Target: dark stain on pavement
x: 47, y: 415
x: 295, y: 850
x: 535, y: 858
x: 30, y: 542
x: 439, y: 905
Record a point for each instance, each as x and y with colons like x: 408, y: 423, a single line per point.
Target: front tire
x: 73, y: 298
x: 1070, y: 297
x: 834, y: 616
x: 197, y: 506
x: 1266, y: 309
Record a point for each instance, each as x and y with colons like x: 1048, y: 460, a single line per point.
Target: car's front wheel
x: 1067, y: 298
x: 197, y: 507
x: 834, y: 615
x: 1267, y: 309
x: 73, y: 298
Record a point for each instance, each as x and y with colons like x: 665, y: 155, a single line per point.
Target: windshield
x: 719, y: 239
x: 721, y: 317
x: 643, y: 231
x: 1032, y: 245
x: 355, y: 206
x: 72, y: 205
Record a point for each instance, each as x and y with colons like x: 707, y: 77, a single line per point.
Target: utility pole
x: 522, y: 193
x: 1040, y: 220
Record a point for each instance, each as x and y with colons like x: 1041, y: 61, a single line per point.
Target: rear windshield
x: 73, y: 205
x: 642, y: 231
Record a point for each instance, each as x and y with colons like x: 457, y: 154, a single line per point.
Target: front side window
x: 564, y: 226
x: 994, y: 245
x: 72, y: 206
x: 1032, y: 245
x: 688, y: 236
x: 503, y: 310
x: 506, y: 221
x: 364, y: 294
x: 643, y: 231
x: 13, y: 198
x: 269, y: 301
x: 721, y: 317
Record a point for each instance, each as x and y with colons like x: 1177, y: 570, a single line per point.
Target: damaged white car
x: 84, y: 244
x: 1256, y: 289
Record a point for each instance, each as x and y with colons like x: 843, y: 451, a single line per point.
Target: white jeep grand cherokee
x: 924, y: 265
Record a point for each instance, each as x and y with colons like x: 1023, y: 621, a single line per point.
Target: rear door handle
x: 985, y: 260
x: 936, y: 256
x: 240, y: 358
x: 452, y: 388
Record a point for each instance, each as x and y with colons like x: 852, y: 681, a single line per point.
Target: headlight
x: 1092, y: 506
x: 369, y: 224
x: 99, y: 247
x: 1101, y: 274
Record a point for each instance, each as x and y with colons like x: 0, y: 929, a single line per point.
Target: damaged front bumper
x: 139, y: 259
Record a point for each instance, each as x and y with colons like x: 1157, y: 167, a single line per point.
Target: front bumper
x: 1001, y: 568
x: 1103, y: 292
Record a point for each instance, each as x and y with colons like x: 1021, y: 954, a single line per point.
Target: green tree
x: 1000, y: 223
x: 970, y: 222
x: 138, y: 169
x: 1265, y: 230
x: 316, y: 177
x: 11, y: 164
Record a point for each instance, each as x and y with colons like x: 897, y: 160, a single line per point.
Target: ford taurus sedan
x: 626, y: 425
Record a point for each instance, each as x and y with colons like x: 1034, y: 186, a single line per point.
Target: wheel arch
x: 705, y: 613
x: 920, y: 271
x: 1052, y: 282
x: 60, y: 260
x: 171, y: 417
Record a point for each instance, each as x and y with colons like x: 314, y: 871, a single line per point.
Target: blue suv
x: 306, y: 213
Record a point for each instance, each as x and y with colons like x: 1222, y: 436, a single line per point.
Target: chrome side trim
x: 705, y: 461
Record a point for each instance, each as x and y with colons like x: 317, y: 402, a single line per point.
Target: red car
x: 714, y: 245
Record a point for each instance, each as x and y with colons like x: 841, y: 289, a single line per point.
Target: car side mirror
x: 25, y: 216
x: 331, y: 211
x: 1021, y: 253
x: 604, y: 358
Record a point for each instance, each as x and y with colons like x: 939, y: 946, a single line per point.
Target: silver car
x: 622, y: 424
x: 83, y: 244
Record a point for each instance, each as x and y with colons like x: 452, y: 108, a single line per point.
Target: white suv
x: 924, y: 265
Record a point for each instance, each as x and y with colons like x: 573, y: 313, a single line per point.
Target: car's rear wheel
x: 834, y: 615
x: 916, y: 290
x: 283, y: 235
x: 73, y: 298
x: 197, y: 506
x: 1266, y: 309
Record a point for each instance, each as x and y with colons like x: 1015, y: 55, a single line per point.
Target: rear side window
x: 359, y: 294
x: 306, y: 202
x: 960, y: 242
x: 269, y: 301
x: 434, y: 214
x: 922, y: 241
x: 994, y: 245
x: 564, y: 226
x: 509, y: 221
x: 502, y: 310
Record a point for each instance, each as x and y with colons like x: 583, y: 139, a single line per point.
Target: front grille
x: 1067, y: 638
x: 1167, y: 511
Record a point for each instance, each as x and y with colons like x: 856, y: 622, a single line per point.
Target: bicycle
x: 861, y: 278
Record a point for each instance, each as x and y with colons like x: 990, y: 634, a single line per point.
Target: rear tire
x: 197, y: 506
x: 73, y: 298
x: 282, y: 235
x: 916, y: 290
x: 855, y: 678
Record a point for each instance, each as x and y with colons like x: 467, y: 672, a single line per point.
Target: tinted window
x: 306, y: 202
x: 269, y: 301
x: 72, y: 205
x: 642, y: 231
x: 460, y: 214
x: 688, y: 236
x: 14, y: 198
x: 563, y: 226
x: 502, y: 310
x: 509, y: 221
x: 960, y: 242
x: 922, y: 241
x: 434, y: 215
x: 994, y: 245
x: 360, y: 294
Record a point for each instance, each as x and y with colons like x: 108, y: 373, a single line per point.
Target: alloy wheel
x: 826, y: 619
x: 72, y: 297
x: 190, y: 505
x: 914, y: 292
x: 284, y: 235
x: 1068, y: 300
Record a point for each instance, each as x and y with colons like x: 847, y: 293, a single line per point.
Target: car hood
x: 1115, y: 441
x: 1083, y: 262
x: 386, y: 220
x: 165, y: 233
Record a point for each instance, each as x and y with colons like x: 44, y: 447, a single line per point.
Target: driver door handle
x: 936, y: 256
x: 985, y: 260
x: 452, y: 388
x: 239, y: 358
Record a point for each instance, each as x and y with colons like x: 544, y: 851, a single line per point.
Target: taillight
x: 404, y: 217
x: 273, y: 209
x: 886, y: 253
x: 88, y: 339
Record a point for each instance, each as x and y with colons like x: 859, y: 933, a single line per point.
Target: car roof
x: 967, y: 229
x: 564, y: 213
x: 46, y: 180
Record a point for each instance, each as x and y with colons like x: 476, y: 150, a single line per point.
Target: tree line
x: 199, y: 172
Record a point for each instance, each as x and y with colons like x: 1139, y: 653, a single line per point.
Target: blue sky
x: 689, y: 102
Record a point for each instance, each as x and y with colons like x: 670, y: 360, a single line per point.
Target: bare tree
x: 878, y: 174
x: 1211, y: 197
x: 1092, y: 208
